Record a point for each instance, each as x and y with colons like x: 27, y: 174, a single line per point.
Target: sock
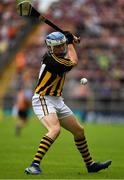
x: 83, y: 149
x: 45, y: 144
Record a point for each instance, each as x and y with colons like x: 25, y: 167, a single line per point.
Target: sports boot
x: 97, y: 166
x: 33, y: 169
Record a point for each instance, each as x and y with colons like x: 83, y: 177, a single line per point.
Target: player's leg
x: 21, y: 121
x: 47, y: 115
x: 51, y: 123
x: 71, y: 124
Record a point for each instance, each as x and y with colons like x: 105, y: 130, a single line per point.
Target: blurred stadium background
x: 99, y: 23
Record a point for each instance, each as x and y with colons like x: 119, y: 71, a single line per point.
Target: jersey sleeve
x: 58, y: 65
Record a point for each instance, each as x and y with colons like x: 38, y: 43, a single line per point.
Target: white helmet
x: 55, y: 39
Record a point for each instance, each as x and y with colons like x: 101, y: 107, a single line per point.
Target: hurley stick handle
x: 24, y: 8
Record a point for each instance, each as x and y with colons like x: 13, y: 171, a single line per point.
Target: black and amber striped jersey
x: 52, y: 75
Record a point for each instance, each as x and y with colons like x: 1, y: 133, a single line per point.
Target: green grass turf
x: 62, y: 161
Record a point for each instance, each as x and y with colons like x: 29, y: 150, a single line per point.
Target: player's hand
x: 71, y: 39
x: 69, y: 36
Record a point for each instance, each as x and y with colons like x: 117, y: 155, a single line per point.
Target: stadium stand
x: 13, y: 31
x: 101, y: 51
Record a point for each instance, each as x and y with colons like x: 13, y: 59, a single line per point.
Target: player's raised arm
x: 72, y: 54
x: 71, y: 49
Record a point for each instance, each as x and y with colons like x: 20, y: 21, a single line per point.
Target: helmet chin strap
x: 51, y: 49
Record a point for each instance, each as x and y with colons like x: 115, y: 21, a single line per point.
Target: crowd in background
x: 100, y: 24
x: 11, y: 26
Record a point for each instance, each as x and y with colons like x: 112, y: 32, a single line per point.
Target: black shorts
x: 23, y: 114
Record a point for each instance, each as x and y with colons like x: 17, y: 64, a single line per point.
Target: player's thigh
x: 45, y: 111
x: 51, y: 121
x: 71, y: 124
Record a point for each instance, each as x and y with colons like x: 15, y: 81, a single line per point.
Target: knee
x: 79, y: 133
x: 54, y: 131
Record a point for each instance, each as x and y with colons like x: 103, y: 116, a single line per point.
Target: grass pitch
x: 62, y: 161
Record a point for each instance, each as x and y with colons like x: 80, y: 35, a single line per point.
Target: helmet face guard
x: 56, y: 44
